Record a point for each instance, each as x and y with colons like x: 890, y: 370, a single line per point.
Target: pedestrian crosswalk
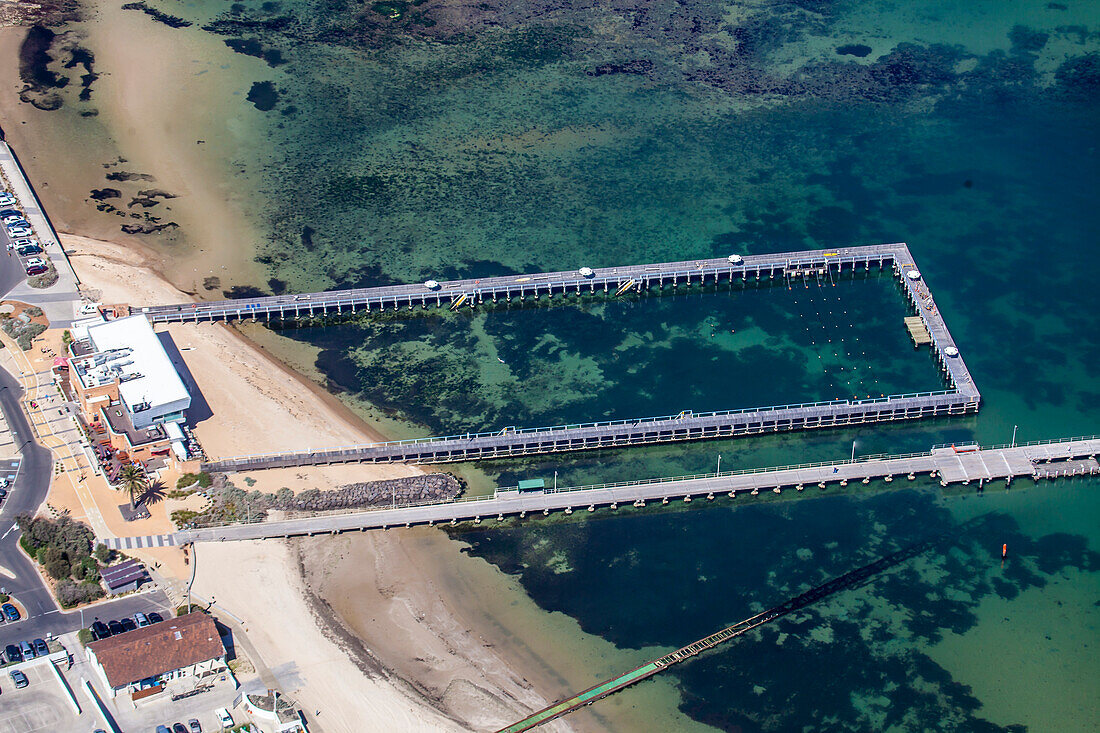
x: 139, y: 543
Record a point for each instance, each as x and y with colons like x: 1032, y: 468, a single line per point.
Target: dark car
x: 29, y: 249
x: 18, y: 678
x: 36, y: 269
x: 10, y: 612
x: 27, y: 649
x: 128, y: 624
x: 163, y: 729
x: 115, y: 627
x: 154, y: 617
x: 9, y: 212
x: 11, y: 651
x: 100, y: 630
x: 40, y: 647
x: 178, y: 728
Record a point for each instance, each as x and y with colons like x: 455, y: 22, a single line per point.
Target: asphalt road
x: 25, y: 495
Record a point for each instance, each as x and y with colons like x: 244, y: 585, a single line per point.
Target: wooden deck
x: 961, y: 396
x: 951, y: 464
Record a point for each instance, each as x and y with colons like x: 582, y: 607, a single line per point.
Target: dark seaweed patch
x: 253, y: 47
x: 263, y: 95
x: 161, y: 17
x: 853, y: 49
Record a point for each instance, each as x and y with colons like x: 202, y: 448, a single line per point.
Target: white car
x: 224, y: 717
x: 33, y: 261
x: 24, y: 242
x: 20, y: 231
x: 7, y: 200
x: 10, y: 218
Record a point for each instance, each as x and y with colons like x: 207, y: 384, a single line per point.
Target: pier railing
x: 878, y: 457
x: 357, y: 447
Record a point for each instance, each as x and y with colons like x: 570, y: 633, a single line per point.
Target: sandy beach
x: 391, y: 631
x: 397, y: 580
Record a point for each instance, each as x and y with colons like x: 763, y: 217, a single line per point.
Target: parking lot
x: 40, y: 706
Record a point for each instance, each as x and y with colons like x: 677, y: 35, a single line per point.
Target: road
x: 25, y: 495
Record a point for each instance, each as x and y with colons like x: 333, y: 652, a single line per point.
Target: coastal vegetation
x: 229, y: 503
x: 189, y: 480
x: 63, y: 547
x: 23, y: 331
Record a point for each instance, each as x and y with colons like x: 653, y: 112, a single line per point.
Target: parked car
x: 178, y: 728
x: 29, y: 249
x: 11, y: 651
x: 27, y: 649
x: 100, y: 630
x: 11, y: 613
x: 9, y: 212
x: 224, y: 717
x: 163, y: 729
x: 155, y: 618
x: 13, y: 217
x: 20, y: 232
x: 127, y: 624
x: 8, y: 200
x: 40, y: 647
x: 141, y: 620
x: 18, y: 678
x: 193, y: 724
x: 24, y: 241
x: 115, y: 627
x: 36, y: 269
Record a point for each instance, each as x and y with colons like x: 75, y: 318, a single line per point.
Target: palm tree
x: 132, y: 479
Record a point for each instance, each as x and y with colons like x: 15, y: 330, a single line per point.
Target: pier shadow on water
x: 859, y: 660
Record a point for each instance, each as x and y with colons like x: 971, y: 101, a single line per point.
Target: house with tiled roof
x: 150, y: 657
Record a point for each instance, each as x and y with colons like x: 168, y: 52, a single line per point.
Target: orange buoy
x: 1004, y: 551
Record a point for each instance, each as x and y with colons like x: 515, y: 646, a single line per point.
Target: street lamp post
x: 719, y: 471
x: 853, y: 451
x: 1014, y: 435
x: 555, y: 480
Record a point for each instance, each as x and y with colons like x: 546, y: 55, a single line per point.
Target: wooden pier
x: 950, y: 464
x: 960, y: 397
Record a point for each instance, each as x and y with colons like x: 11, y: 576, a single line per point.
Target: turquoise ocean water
x: 415, y: 140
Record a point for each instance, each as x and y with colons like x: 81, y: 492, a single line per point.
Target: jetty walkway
x: 850, y: 579
x: 951, y: 464
x: 960, y: 397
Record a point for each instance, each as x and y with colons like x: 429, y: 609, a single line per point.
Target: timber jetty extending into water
x: 951, y: 464
x: 822, y: 266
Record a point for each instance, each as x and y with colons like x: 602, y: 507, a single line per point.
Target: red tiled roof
x: 159, y: 648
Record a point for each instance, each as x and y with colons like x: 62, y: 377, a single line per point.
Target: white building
x: 128, y: 351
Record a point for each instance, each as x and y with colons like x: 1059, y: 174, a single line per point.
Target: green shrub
x: 70, y: 594
x: 26, y: 338
x: 33, y: 311
x: 202, y: 479
x: 84, y: 636
x: 103, y: 553
x: 183, y: 516
x: 63, y: 547
x: 4, y: 598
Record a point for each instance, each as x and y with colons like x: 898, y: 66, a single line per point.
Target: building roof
x: 148, y: 377
x: 123, y: 573
x: 170, y: 645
